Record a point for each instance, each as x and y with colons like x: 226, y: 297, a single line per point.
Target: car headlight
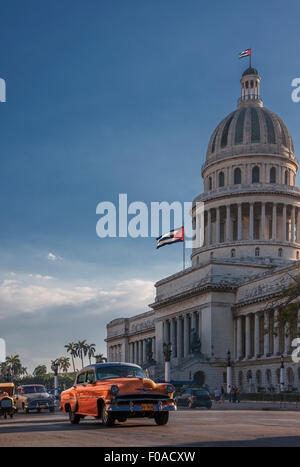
x: 170, y: 388
x: 114, y: 389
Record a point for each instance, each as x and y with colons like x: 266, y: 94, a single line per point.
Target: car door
x: 90, y: 394
x: 80, y: 392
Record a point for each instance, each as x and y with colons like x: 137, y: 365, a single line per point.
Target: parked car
x: 34, y: 397
x: 194, y: 397
x: 7, y: 404
x: 117, y: 391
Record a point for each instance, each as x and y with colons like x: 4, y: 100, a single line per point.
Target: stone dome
x: 249, y: 130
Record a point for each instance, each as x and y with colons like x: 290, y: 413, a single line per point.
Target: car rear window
x: 200, y: 392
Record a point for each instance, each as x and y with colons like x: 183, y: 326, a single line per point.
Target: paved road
x: 187, y: 428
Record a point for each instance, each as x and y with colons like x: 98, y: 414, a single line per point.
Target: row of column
x: 258, y: 335
x: 237, y: 225
x: 177, y: 331
x: 137, y: 351
x: 115, y: 353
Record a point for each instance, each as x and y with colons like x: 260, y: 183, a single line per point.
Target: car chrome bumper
x: 137, y: 408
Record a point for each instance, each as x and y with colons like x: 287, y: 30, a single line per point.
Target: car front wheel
x: 107, y: 417
x: 74, y: 418
x: 161, y: 418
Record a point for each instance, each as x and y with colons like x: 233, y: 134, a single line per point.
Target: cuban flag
x: 245, y: 53
x: 171, y: 237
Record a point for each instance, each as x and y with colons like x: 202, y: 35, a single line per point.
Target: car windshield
x: 32, y: 389
x: 200, y: 392
x: 119, y: 371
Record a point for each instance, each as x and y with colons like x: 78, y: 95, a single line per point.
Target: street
x: 187, y: 428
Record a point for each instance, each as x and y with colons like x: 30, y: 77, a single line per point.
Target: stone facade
x: 226, y: 299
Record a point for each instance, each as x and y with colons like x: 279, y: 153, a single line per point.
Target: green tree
x: 91, y: 349
x: 40, y: 370
x: 100, y: 358
x: 81, y: 350
x: 71, y: 349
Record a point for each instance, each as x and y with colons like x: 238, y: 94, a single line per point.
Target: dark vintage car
x: 115, y: 392
x: 34, y: 397
x: 194, y: 397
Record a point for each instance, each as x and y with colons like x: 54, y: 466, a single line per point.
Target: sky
x: 107, y: 97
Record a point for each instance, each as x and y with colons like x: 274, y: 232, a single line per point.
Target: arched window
x: 280, y: 252
x: 233, y: 253
x: 273, y: 175
x: 237, y: 176
x: 257, y: 252
x: 210, y: 183
x: 255, y: 174
x: 249, y: 377
x: 221, y: 179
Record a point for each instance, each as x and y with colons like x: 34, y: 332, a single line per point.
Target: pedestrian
x: 234, y: 394
x: 229, y: 393
x: 222, y: 394
x: 238, y: 398
x: 217, y: 395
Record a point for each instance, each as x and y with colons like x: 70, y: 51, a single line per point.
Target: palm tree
x: 64, y: 363
x: 100, y: 358
x: 15, y: 366
x: 91, y: 349
x: 55, y: 366
x: 81, y: 350
x: 71, y: 349
x: 40, y: 370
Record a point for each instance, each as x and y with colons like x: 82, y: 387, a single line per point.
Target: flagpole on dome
x: 183, y: 251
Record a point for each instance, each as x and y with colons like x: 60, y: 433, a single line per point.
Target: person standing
x: 234, y: 394
x: 222, y: 394
x: 217, y: 395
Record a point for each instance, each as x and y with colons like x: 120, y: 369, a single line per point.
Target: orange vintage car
x: 117, y: 391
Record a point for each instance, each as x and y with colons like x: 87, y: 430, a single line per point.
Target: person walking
x: 234, y: 394
x: 230, y: 394
x: 217, y: 395
x: 222, y: 394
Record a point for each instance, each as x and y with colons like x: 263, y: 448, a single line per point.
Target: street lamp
x: 281, y: 373
x: 167, y: 349
x: 229, y: 371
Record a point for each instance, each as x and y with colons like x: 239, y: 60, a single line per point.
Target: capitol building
x: 224, y: 305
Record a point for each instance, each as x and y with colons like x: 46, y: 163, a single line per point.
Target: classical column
x: 228, y: 224
x: 274, y: 221
x: 293, y: 224
x: 173, y: 338
x: 284, y: 223
x: 136, y: 352
x: 179, y: 337
x: 256, y: 335
x: 251, y: 221
x: 287, y: 339
x: 208, y: 227
x: 141, y: 357
x: 186, y: 336
x: 131, y: 352
x: 248, y: 336
x: 298, y: 226
x: 217, y: 225
x: 266, y: 333
x: 263, y: 221
x: 240, y: 225
x: 239, y: 337
x: 276, y: 335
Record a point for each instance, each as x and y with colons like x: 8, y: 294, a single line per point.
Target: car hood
x: 135, y: 385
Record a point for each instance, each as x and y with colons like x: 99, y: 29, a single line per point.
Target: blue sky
x: 107, y: 97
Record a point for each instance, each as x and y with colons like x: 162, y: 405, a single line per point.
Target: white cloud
x: 52, y: 257
x: 17, y: 296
